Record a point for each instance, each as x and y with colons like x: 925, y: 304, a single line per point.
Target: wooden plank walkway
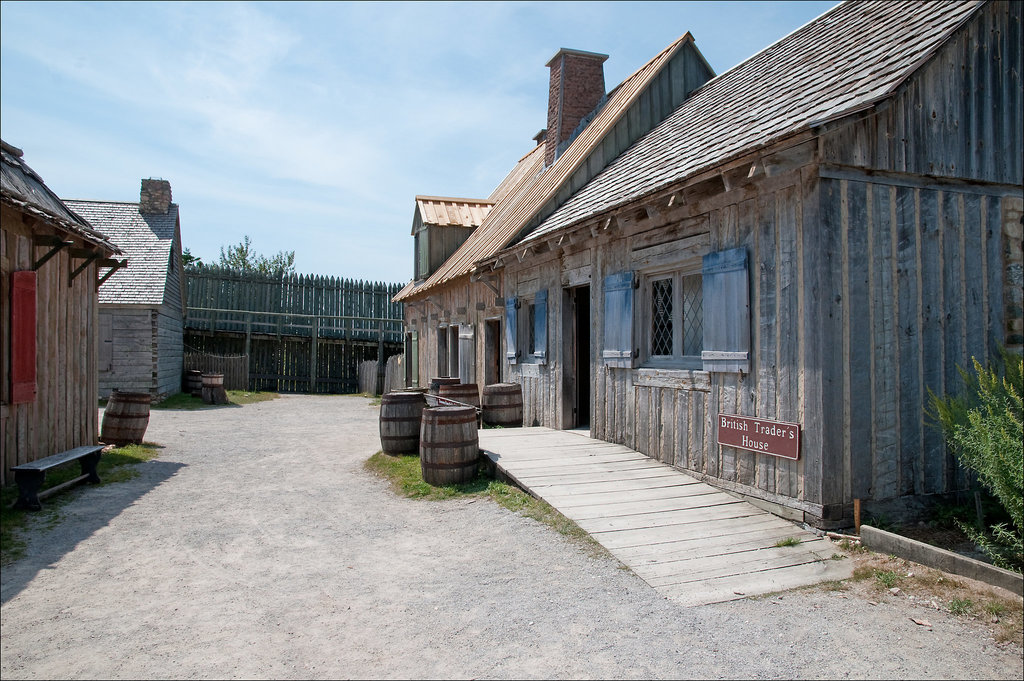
x: 693, y: 543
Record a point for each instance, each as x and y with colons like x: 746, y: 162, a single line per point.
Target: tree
x: 189, y: 260
x: 242, y: 258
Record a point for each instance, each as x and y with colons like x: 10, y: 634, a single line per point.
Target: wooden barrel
x: 194, y: 382
x: 436, y: 383
x: 125, y: 419
x: 502, y: 405
x: 467, y: 393
x: 412, y: 389
x: 449, y: 445
x: 213, y: 389
x: 400, y: 414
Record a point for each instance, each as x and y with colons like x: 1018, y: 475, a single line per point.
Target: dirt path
x: 257, y: 546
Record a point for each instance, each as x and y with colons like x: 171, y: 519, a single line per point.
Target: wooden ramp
x: 691, y: 542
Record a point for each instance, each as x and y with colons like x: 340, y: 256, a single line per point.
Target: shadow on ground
x: 57, y: 530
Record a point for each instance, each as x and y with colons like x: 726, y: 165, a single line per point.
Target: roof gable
x: 146, y: 239
x: 842, y: 62
x: 677, y: 70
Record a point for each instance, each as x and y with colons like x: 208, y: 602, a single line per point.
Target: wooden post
x: 380, y: 358
x: 248, y: 332
x: 312, y: 354
x: 856, y: 516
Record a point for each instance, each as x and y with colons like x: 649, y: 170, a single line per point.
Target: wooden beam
x: 79, y: 253
x: 55, y: 243
x: 114, y: 266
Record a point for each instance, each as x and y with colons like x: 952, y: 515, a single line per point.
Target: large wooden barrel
x: 467, y: 393
x: 213, y: 389
x: 449, y: 445
x: 194, y: 382
x: 125, y: 419
x: 502, y: 405
x: 400, y: 414
x: 437, y: 382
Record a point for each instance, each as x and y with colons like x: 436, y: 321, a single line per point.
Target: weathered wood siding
x: 459, y: 303
x: 145, y: 353
x: 64, y: 413
x: 961, y: 115
x: 917, y: 280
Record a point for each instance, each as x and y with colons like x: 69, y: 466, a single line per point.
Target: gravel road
x: 256, y: 546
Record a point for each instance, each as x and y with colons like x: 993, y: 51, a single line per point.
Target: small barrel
x: 502, y: 405
x: 213, y: 389
x: 125, y: 419
x: 437, y: 382
x: 414, y: 389
x: 193, y: 382
x: 467, y: 393
x: 400, y: 414
x: 449, y: 445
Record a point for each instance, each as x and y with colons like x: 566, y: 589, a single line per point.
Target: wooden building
x: 51, y: 260
x: 142, y: 307
x: 804, y: 247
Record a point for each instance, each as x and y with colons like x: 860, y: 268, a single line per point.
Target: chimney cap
x: 539, y: 137
x: 577, y: 53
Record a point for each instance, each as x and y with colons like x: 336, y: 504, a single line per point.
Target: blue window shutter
x: 618, y: 350
x: 540, y: 326
x: 511, y: 346
x: 726, y: 311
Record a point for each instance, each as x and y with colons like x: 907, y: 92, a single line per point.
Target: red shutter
x: 23, y: 337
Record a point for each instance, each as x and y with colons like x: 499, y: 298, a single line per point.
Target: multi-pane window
x: 675, y: 326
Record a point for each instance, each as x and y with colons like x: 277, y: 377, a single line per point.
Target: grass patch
x: 116, y: 465
x: 961, y: 606
x: 405, y: 476
x: 788, y: 541
x: 887, y: 578
x: 238, y: 397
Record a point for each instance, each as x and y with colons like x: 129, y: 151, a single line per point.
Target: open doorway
x: 492, y: 351
x: 576, y: 379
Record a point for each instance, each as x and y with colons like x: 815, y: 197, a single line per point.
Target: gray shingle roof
x: 145, y: 239
x: 845, y: 60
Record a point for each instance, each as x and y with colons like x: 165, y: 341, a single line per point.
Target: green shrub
x: 983, y: 427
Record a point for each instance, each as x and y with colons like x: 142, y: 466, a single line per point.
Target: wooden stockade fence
x: 234, y: 367
x: 301, y: 333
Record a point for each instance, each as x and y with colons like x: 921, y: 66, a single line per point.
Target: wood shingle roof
x: 843, y: 62
x: 147, y: 239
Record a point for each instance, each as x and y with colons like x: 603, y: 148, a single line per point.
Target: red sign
x: 760, y: 435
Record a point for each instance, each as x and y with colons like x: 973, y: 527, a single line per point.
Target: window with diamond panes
x: 675, y: 329
x: 693, y: 314
x: 661, y: 317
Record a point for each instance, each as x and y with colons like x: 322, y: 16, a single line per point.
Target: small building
x: 763, y: 288
x: 50, y: 262
x: 142, y: 307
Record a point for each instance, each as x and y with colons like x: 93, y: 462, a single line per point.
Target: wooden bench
x: 30, y: 476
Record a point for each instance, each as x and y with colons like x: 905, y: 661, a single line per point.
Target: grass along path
x: 406, y: 478
x: 116, y: 465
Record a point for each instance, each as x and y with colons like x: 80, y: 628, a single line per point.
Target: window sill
x: 677, y: 378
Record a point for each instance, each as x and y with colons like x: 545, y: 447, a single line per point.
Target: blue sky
x: 311, y: 126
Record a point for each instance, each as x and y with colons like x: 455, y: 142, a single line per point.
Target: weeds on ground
x: 405, y: 475
x: 788, y: 541
x: 116, y: 465
x: 235, y: 397
x: 920, y: 586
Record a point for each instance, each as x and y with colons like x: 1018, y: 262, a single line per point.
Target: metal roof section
x: 147, y: 239
x: 845, y: 61
x: 525, y: 172
x: 509, y: 216
x: 443, y: 211
x: 22, y: 188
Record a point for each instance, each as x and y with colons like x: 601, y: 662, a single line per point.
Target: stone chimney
x: 155, y: 196
x: 577, y: 86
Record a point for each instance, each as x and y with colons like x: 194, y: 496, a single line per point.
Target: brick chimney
x: 155, y: 196
x: 577, y: 86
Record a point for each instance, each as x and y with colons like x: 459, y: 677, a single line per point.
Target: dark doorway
x: 581, y: 355
x: 492, y: 351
